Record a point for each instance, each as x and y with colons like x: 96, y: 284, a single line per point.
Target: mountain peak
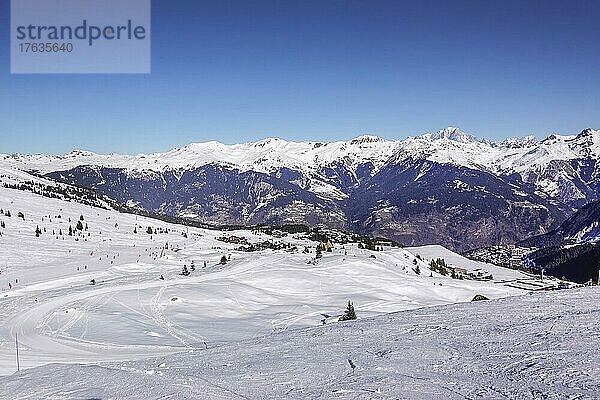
x: 452, y: 133
x: 587, y: 132
x: 78, y: 153
x: 366, y: 139
x: 269, y: 142
x: 521, y: 142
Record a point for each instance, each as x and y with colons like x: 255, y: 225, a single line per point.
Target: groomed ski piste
x: 112, y: 294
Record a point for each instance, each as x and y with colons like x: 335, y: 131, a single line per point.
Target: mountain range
x: 447, y: 187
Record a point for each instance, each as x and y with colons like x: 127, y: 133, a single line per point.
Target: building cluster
x: 508, y: 256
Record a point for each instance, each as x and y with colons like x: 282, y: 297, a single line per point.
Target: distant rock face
x: 572, y: 250
x: 446, y: 188
x: 454, y: 206
x: 414, y: 203
x: 212, y: 194
x: 580, y: 228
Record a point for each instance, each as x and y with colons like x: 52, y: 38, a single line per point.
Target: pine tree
x: 185, y: 271
x: 224, y: 260
x: 38, y: 231
x: 70, y: 230
x: 349, y: 314
x: 81, y: 218
x: 79, y: 226
x: 149, y: 231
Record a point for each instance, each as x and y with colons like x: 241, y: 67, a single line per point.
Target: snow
x: 536, y: 162
x: 131, y: 314
x: 264, y: 156
x: 527, y: 347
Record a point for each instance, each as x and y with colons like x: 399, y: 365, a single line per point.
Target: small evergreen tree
x: 79, y: 226
x: 81, y: 218
x: 185, y: 271
x: 70, y: 230
x: 38, y: 231
x: 149, y: 231
x: 224, y: 259
x: 349, y: 314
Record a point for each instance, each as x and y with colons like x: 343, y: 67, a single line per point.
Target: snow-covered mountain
x: 448, y: 186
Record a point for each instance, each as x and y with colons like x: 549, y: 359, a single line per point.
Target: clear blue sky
x: 239, y: 71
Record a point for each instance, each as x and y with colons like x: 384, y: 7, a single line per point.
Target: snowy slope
x: 540, y: 346
x: 48, y: 301
x: 453, y: 259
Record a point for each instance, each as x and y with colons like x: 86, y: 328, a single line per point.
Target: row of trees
x: 187, y: 271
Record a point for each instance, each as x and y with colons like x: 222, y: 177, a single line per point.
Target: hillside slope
x: 572, y: 250
x: 526, y: 347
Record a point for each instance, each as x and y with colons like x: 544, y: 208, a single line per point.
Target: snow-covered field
x: 538, y: 346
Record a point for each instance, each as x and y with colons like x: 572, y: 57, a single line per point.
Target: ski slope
x: 129, y: 313
x: 539, y: 346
